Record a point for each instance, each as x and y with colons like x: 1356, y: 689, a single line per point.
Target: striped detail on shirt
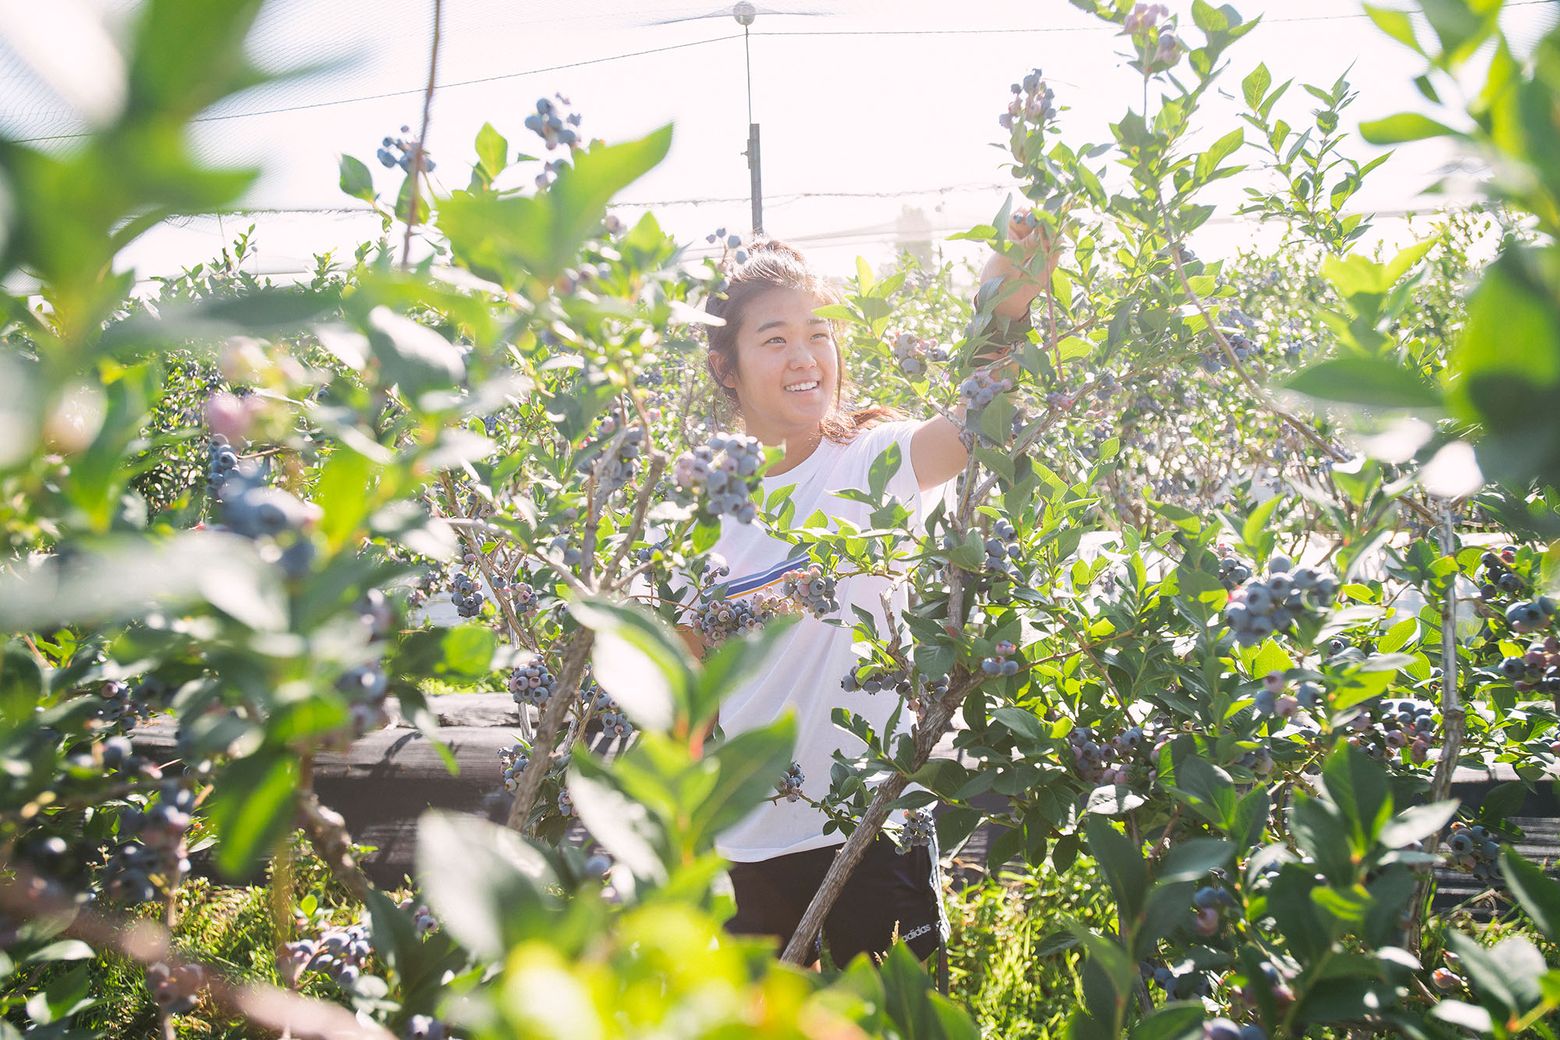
x: 764, y: 578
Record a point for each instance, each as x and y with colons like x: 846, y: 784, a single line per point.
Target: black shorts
x: 888, y: 890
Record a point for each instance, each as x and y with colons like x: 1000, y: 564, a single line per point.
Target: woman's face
x: 787, y: 367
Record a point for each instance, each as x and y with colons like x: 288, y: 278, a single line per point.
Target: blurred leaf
x: 356, y: 181
x: 1417, y: 823
x: 411, y: 355
x: 1193, y: 858
x: 750, y: 766
x: 487, y: 887
x: 623, y: 826
x: 638, y: 660
x: 1372, y: 381
x: 252, y: 808
x: 1538, y: 894
x: 1405, y: 126
x: 21, y: 683
x: 1505, y: 369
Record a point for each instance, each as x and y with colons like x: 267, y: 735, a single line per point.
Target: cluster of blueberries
x: 1000, y: 662
x: 423, y: 921
x: 1101, y: 761
x: 513, y: 760
x: 398, y: 151
x: 1183, y: 982
x: 1262, y: 606
x: 222, y: 460
x: 365, y: 687
x: 723, y: 474
x: 554, y: 126
x: 254, y: 510
x: 720, y: 619
x: 1233, y: 573
x: 119, y: 755
x: 1002, y: 549
x: 1224, y: 1029
x: 1538, y: 669
x: 1272, y: 700
x: 873, y: 681
x: 1533, y: 615
x: 530, y: 683
x: 728, y: 243
x: 913, y: 354
x: 1475, y: 850
x: 813, y: 589
x: 117, y: 707
x: 615, y: 467
x: 175, y: 990
x: 978, y: 390
x: 599, y: 703
x: 565, y: 802
x: 790, y: 785
x: 340, y: 953
x: 151, y: 847
x: 1033, y: 104
x: 1406, y: 723
x: 919, y: 829
x: 467, y: 595
x: 571, y: 555
x: 1499, y: 578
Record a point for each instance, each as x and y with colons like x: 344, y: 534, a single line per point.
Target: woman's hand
x: 1021, y: 287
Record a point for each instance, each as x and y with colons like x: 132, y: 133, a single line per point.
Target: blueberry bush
x: 1248, y: 557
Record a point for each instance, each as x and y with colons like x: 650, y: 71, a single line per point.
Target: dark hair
x: 771, y: 264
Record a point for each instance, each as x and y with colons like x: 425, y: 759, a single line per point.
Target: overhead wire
x: 686, y: 45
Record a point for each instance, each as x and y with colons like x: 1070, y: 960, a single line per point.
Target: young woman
x: 780, y: 368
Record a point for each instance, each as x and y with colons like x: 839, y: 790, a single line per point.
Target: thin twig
x: 415, y: 195
x: 274, y: 1010
x: 1454, y: 719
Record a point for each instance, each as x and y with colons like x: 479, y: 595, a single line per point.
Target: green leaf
x: 750, y: 765
x: 411, y: 355
x: 639, y: 660
x: 510, y: 239
x: 356, y: 181
x: 1505, y: 370
x: 1120, y: 860
x: 1193, y: 858
x: 1373, y: 381
x: 344, y: 493
x: 487, y: 887
x: 492, y: 151
x: 1538, y: 894
x: 1402, y: 127
x: 252, y: 808
x: 1358, y: 787
x: 1255, y: 85
x: 624, y: 826
x: 1181, y: 1020
x: 21, y: 683
x: 1113, y: 800
x: 1417, y: 823
x: 1395, y: 24
x: 1022, y: 722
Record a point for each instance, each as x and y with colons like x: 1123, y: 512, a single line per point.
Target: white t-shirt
x: 805, y: 670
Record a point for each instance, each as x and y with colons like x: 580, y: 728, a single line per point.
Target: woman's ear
x: 717, y: 362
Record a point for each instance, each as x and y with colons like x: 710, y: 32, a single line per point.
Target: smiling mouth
x: 802, y: 388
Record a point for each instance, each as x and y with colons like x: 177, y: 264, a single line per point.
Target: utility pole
x: 744, y: 13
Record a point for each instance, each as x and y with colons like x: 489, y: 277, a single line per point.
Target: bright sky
x: 868, y: 109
